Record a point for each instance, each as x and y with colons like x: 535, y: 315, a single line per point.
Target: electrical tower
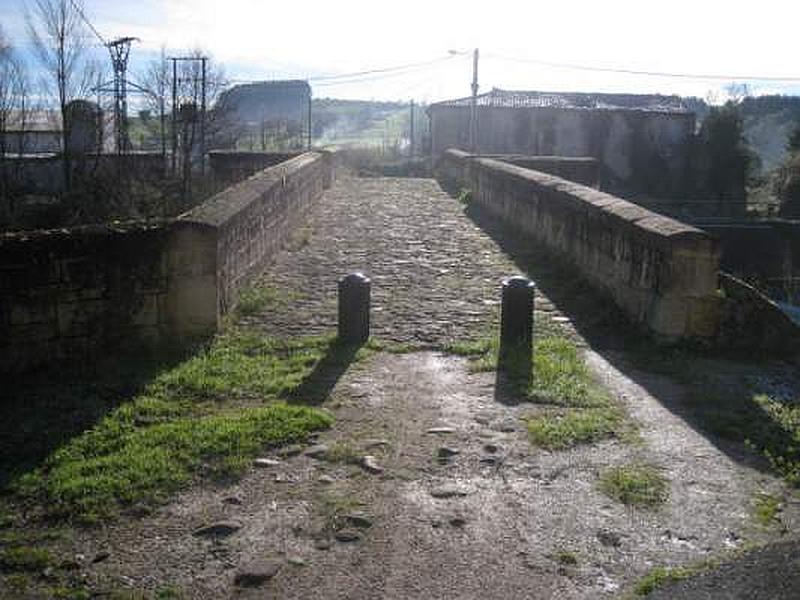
x: 119, y: 50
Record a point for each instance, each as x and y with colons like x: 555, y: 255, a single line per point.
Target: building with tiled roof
x: 641, y: 140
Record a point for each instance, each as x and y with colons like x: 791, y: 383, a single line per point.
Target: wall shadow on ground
x: 44, y: 409
x: 719, y: 390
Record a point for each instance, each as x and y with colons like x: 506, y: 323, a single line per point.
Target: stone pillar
x: 516, y: 326
x: 354, y: 305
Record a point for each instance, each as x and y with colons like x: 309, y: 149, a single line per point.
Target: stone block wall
x: 660, y: 272
x: 581, y: 169
x: 232, y: 166
x: 250, y: 221
x: 67, y: 293
x: 72, y: 293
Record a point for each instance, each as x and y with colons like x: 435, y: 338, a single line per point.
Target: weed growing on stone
x: 635, y: 485
x: 333, y: 508
x: 565, y: 557
x: 766, y: 508
x: 342, y: 452
x: 204, y: 416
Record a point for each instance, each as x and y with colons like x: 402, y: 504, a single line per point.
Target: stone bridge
x: 434, y: 261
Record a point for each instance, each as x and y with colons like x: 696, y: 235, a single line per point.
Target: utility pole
x: 411, y: 132
x: 309, y: 119
x: 174, y: 116
x: 203, y: 61
x: 473, y: 113
x: 176, y: 81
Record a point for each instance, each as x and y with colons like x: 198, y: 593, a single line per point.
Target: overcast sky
x: 265, y: 39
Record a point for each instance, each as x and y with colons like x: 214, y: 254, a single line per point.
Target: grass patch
x: 557, y: 430
x: 334, y: 507
x: 254, y: 299
x: 566, y: 557
x: 766, y: 508
x: 261, y: 296
x: 559, y: 378
x: 559, y: 375
x: 206, y: 416
x: 24, y: 559
x: 767, y: 425
x: 482, y: 353
x: 635, y: 485
x: 342, y: 452
x: 660, y: 576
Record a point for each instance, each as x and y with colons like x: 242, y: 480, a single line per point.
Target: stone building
x: 268, y: 100
x: 643, y: 142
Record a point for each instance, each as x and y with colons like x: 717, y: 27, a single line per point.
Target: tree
x: 787, y: 177
x: 157, y: 80
x: 14, y: 112
x: 58, y: 35
x: 729, y: 162
x: 793, y: 141
x: 192, y: 124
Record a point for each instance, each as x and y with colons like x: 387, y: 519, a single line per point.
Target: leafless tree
x: 157, y: 80
x: 58, y: 35
x: 14, y: 111
x: 189, y: 100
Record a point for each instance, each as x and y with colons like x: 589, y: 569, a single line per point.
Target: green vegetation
x: 724, y: 399
x: 24, y: 559
x: 464, y: 196
x: 205, y: 416
x: 557, y: 430
x: 767, y: 425
x: 255, y: 299
x: 482, y: 352
x: 566, y: 557
x: 333, y: 508
x: 561, y: 377
x: 659, y: 576
x: 342, y: 452
x: 766, y: 508
x: 635, y: 485
x: 580, y: 410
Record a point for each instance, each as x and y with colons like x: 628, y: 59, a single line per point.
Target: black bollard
x: 354, y: 301
x: 516, y: 326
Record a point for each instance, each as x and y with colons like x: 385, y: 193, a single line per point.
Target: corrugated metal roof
x: 573, y: 100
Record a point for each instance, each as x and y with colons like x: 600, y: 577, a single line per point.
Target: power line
x: 81, y: 14
x: 383, y: 70
x: 697, y: 76
x: 365, y: 76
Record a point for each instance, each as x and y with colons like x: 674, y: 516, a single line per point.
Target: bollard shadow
x: 317, y: 386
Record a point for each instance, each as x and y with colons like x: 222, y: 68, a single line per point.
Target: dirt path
x: 512, y: 521
x: 459, y: 505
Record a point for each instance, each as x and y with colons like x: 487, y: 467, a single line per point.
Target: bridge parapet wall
x: 662, y: 273
x: 72, y: 293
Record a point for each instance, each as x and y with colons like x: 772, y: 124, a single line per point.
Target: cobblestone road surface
x: 435, y: 275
